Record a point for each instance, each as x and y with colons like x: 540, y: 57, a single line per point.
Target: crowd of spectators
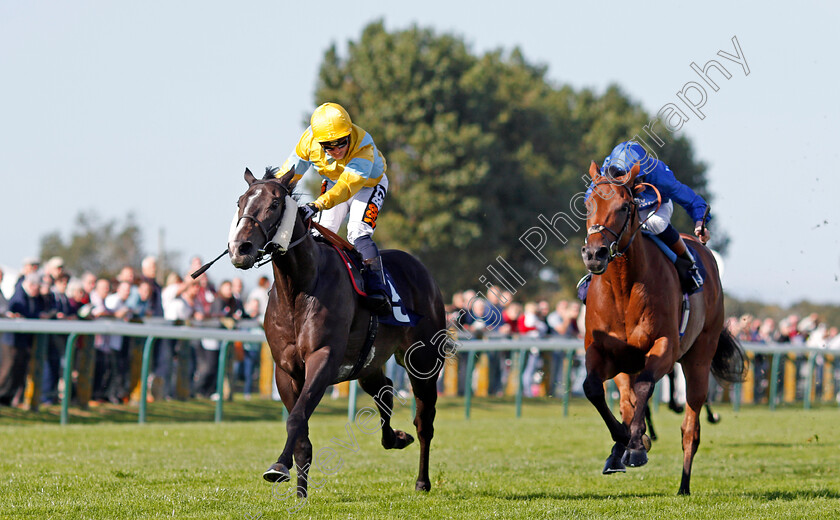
x: 809, y: 331
x: 48, y: 291
x: 498, y: 313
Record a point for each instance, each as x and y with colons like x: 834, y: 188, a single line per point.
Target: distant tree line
x: 478, y: 146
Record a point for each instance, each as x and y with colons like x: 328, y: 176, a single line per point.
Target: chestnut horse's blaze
x: 632, y: 321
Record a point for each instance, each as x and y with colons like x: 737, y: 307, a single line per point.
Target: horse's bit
x: 271, y: 248
x: 600, y: 228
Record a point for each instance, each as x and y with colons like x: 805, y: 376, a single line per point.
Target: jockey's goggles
x: 338, y: 143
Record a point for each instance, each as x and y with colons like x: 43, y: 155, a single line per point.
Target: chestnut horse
x: 633, y: 319
x: 317, y: 327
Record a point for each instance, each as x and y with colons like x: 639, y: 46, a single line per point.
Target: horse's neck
x: 628, y: 269
x: 296, y: 270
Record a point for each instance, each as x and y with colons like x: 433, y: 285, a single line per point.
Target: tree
x: 477, y: 148
x: 102, y: 248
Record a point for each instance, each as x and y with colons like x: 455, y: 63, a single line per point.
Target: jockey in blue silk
x: 354, y: 183
x: 655, y: 172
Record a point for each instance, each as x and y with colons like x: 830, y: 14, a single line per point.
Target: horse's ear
x: 594, y: 171
x: 249, y: 177
x: 634, y: 171
x: 286, y: 179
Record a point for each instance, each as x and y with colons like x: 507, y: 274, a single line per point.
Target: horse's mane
x: 271, y: 176
x: 270, y: 173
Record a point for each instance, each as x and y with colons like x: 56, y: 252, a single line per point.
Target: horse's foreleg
x: 319, y: 374
x: 382, y: 390
x: 593, y: 387
x: 289, y: 391
x: 639, y: 443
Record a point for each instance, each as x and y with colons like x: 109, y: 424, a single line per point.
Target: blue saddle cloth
x: 701, y: 267
x: 400, y: 315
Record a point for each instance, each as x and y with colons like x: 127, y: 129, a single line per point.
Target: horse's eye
x: 274, y: 204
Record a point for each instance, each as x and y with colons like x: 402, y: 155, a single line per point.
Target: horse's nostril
x: 245, y: 248
x: 602, y: 252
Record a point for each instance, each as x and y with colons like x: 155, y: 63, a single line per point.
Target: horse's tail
x: 729, y: 363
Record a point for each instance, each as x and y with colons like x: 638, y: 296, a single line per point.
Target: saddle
x: 400, y: 315
x: 681, y: 264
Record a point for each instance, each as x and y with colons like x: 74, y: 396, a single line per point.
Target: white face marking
x: 236, y: 225
x: 256, y: 194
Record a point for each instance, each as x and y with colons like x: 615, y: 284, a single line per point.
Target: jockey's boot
x: 583, y: 287
x: 378, y: 300
x: 686, y: 267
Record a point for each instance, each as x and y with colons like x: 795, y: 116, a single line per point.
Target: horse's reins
x: 600, y: 228
x: 269, y: 250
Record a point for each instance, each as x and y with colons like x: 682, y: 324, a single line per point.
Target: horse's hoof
x: 713, y: 418
x: 277, y: 473
x: 614, y: 464
x: 646, y: 442
x: 422, y: 486
x: 401, y: 440
x: 676, y: 407
x: 635, y: 458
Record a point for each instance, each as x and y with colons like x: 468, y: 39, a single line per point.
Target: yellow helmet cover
x: 330, y: 122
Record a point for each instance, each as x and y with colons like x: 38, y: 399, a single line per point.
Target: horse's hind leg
x: 696, y: 386
x: 382, y: 390
x: 425, y: 394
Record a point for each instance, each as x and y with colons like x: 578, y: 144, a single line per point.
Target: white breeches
x: 363, y: 208
x: 657, y: 222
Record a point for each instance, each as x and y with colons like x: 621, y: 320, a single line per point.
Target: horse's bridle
x: 270, y: 247
x: 600, y: 228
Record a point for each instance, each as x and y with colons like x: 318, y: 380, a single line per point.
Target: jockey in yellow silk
x: 354, y: 187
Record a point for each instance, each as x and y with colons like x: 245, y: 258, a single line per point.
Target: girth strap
x: 373, y: 327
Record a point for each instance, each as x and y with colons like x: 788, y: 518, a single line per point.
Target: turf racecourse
x: 754, y: 464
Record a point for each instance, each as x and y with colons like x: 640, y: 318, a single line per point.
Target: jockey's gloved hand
x: 307, y: 210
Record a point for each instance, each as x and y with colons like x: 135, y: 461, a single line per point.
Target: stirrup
x: 378, y: 299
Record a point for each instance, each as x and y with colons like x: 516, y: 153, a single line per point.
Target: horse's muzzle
x: 595, y: 258
x: 243, y: 255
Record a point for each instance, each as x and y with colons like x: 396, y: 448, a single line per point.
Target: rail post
x: 144, y: 377
x: 567, y: 381
x: 468, y: 383
x: 774, y: 379
x: 520, y: 364
x: 220, y: 379
x: 68, y: 377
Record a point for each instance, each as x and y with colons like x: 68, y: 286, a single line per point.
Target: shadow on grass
x: 258, y: 409
x: 567, y: 495
x: 788, y: 495
x: 159, y: 412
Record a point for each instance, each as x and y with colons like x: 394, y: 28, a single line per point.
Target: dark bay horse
x: 317, y: 327
x: 632, y: 324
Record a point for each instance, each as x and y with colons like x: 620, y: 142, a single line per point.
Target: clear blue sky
x: 156, y: 108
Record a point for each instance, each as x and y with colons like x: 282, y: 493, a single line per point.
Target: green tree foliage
x: 479, y: 146
x: 100, y: 247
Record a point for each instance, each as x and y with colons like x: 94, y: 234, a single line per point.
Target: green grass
x: 754, y: 464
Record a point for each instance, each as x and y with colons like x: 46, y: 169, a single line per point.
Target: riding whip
x: 200, y: 271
